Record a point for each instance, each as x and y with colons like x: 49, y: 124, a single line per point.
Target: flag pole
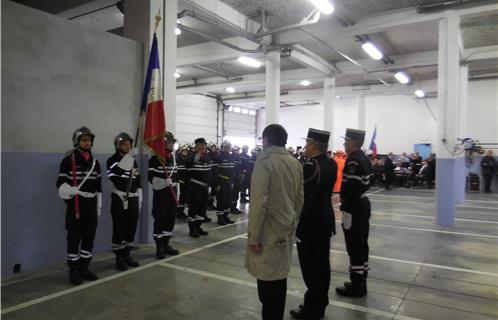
x: 139, y: 126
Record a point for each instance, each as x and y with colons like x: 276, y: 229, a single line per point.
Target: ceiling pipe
x: 451, y: 4
x: 231, y: 80
x: 311, y: 19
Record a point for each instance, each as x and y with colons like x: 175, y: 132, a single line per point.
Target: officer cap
x: 318, y: 135
x: 357, y: 136
x: 200, y: 141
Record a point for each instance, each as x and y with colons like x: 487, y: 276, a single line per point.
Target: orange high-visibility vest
x: 340, y: 159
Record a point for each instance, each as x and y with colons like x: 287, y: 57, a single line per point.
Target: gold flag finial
x: 158, y: 19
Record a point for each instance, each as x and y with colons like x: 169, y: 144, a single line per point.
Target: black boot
x: 302, y: 313
x: 221, y: 220
x: 192, y: 225
x: 128, y: 259
x: 159, y: 249
x: 168, y: 249
x: 74, y: 272
x: 200, y: 230
x: 355, y: 289
x: 227, y: 219
x: 210, y: 204
x: 84, y: 272
x: 120, y: 263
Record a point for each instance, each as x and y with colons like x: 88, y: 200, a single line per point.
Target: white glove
x: 140, y: 199
x: 127, y: 162
x: 159, y: 183
x: 66, y: 192
x: 347, y: 220
x: 99, y: 204
x: 133, y: 152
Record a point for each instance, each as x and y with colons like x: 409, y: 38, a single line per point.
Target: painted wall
x: 56, y: 76
x: 483, y: 111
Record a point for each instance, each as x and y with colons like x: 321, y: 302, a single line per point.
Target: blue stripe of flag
x: 153, y: 64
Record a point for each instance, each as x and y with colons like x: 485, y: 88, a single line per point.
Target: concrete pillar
x: 170, y: 44
x: 139, y: 22
x: 461, y: 170
x: 448, y: 97
x: 361, y: 112
x: 272, y: 87
x: 328, y: 108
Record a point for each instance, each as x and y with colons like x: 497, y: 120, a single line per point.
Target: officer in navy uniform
x: 246, y: 164
x: 213, y: 195
x: 126, y: 199
x: 202, y: 173
x: 356, y: 211
x: 226, y: 176
x: 80, y: 186
x: 183, y: 181
x: 164, y: 202
x: 316, y: 225
x: 237, y: 180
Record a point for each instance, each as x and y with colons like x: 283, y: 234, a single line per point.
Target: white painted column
x: 361, y: 112
x: 169, y: 80
x: 448, y: 101
x: 272, y: 96
x: 328, y: 108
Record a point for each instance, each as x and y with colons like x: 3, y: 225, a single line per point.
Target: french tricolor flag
x: 152, y: 105
x: 373, y: 145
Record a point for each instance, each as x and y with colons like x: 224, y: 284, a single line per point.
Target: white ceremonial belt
x: 122, y: 194
x: 86, y: 194
x: 199, y: 182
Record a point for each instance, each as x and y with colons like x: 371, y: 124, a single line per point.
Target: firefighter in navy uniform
x: 213, y: 195
x: 181, y: 163
x: 246, y: 173
x: 237, y: 180
x: 356, y: 213
x: 125, y: 203
x: 202, y: 171
x: 80, y: 186
x: 226, y: 176
x: 316, y: 225
x: 164, y: 202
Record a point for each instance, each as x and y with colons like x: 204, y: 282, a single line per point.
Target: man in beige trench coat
x: 276, y: 201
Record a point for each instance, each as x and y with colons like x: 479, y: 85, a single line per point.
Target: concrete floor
x: 419, y: 271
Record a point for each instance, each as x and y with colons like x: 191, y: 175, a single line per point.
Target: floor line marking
x: 430, y: 217
x: 436, y: 266
x: 112, y: 277
x: 433, y: 204
x: 436, y: 231
x: 421, y: 197
x: 229, y: 225
x: 345, y: 305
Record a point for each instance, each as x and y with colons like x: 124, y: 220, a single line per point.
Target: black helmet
x: 168, y: 136
x: 80, y: 132
x: 122, y: 136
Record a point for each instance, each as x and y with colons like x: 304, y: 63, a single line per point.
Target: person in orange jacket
x: 340, y: 159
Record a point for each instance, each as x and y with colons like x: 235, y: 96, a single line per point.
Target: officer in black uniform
x: 355, y: 208
x: 488, y: 167
x: 237, y: 183
x: 126, y: 199
x: 388, y: 171
x: 213, y: 195
x: 226, y: 176
x: 183, y: 181
x: 80, y: 186
x: 202, y: 171
x: 164, y: 178
x: 316, y: 225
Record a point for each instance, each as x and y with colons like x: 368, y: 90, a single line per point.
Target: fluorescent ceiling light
x: 230, y: 109
x: 177, y: 75
x: 178, y: 31
x: 305, y: 83
x: 249, y: 62
x: 323, y: 5
x: 236, y: 109
x: 245, y: 111
x: 420, y: 93
x: 230, y: 89
x: 372, y: 50
x: 252, y: 112
x: 402, y: 77
x: 338, y: 97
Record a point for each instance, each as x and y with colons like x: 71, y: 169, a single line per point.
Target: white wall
x: 483, y: 111
x: 401, y: 120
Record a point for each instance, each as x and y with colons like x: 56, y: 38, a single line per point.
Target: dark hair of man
x: 276, y: 135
